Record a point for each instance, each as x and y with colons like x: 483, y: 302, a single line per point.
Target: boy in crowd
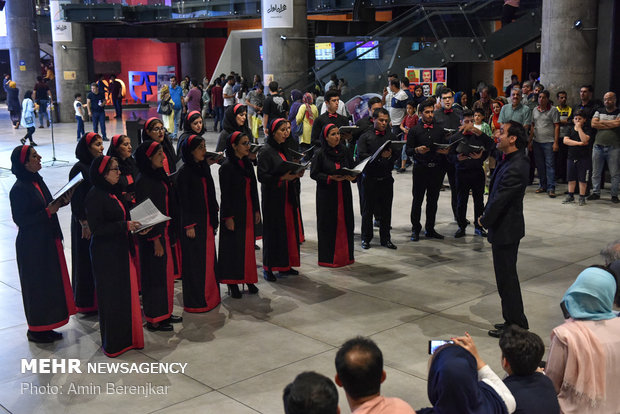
x: 579, y: 158
x: 79, y: 115
x: 522, y: 352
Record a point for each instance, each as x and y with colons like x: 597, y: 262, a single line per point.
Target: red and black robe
x: 334, y: 207
x: 43, y: 274
x: 199, y: 210
x: 281, y: 226
x: 116, y: 279
x: 239, y: 201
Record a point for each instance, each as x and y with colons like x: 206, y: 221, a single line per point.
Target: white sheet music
x: 147, y: 214
x: 72, y: 183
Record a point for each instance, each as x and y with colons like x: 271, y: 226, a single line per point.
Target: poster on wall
x: 429, y: 78
x: 163, y: 76
x: 277, y: 14
x: 61, y: 30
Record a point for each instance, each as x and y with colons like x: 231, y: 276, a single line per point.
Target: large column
x: 568, y: 55
x: 70, y: 68
x: 193, y: 59
x: 23, y: 44
x: 285, y: 43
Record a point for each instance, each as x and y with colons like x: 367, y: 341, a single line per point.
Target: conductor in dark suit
x: 503, y: 217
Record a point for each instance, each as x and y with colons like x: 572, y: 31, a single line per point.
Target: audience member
x: 359, y: 370
x: 522, y: 352
x: 311, y: 393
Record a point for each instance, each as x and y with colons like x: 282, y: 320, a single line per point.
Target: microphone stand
x: 54, y: 160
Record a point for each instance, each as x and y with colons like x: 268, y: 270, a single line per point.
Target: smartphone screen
x: 433, y: 344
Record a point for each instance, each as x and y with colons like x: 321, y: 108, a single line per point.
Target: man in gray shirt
x: 606, y: 147
x: 254, y: 100
x: 545, y: 134
x: 516, y: 112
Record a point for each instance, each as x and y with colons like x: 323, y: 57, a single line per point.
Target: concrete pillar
x: 70, y: 70
x: 23, y: 44
x: 285, y: 50
x: 568, y: 55
x: 193, y: 59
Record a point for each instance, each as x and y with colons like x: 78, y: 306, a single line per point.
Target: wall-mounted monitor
x: 260, y: 50
x: 324, y: 51
x: 366, y: 47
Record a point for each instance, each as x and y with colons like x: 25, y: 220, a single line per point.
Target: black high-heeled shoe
x: 234, y: 292
x: 252, y: 289
x: 269, y: 276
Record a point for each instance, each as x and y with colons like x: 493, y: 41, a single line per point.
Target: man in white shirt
x: 398, y: 106
x: 228, y: 93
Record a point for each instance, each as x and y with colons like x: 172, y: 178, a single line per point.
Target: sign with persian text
x: 277, y: 14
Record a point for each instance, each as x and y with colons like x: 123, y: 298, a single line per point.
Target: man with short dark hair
x: 116, y: 93
x: 427, y: 171
x: 311, y: 393
x: 503, y: 217
x: 586, y: 103
x: 398, y: 106
x: 565, y: 112
x: 255, y: 100
x: 176, y: 95
x: 522, y: 352
x: 43, y: 96
x: 95, y: 104
x: 330, y: 116
x: 359, y: 370
x: 377, y: 181
x: 228, y: 93
x: 275, y: 106
x: 606, y: 147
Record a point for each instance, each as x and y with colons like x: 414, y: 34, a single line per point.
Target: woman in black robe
x: 281, y: 235
x: 154, y: 131
x: 199, y: 219
x: 116, y: 279
x: 235, y: 119
x: 239, y: 213
x: 156, y: 255
x: 88, y: 148
x: 43, y: 274
x: 193, y: 125
x: 334, y: 202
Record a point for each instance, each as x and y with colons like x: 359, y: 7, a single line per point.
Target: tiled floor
x: 241, y: 355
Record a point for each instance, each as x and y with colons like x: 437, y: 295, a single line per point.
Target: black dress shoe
x: 365, y: 245
x: 432, y: 234
x: 174, y: 319
x: 459, y: 233
x: 39, y: 337
x: 500, y: 325
x: 389, y: 245
x: 290, y: 272
x: 233, y: 291
x: 496, y: 333
x: 415, y: 236
x: 481, y: 232
x: 252, y: 289
x: 269, y: 276
x: 163, y: 327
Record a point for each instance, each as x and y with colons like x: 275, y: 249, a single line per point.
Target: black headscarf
x: 82, y: 149
x: 98, y: 169
x: 190, y: 144
x: 127, y: 165
x: 337, y: 153
x: 277, y: 123
x: 234, y: 138
x: 230, y: 120
x: 19, y: 158
x: 144, y: 136
x: 28, y: 94
x: 453, y: 385
x: 191, y: 117
x: 143, y: 155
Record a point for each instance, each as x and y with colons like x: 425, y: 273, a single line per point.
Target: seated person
x: 359, y: 370
x: 585, y: 349
x: 522, y: 351
x: 460, y: 382
x: 311, y: 393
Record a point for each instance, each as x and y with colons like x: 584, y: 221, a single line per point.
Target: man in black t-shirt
x: 95, y: 104
x: 275, y: 106
x: 43, y: 97
x: 116, y: 93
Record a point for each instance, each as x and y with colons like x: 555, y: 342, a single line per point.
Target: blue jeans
x: 600, y: 154
x: 43, y: 111
x: 218, y: 117
x: 99, y: 119
x: 545, y: 160
x: 177, y: 121
x: 118, y: 107
x: 80, y: 127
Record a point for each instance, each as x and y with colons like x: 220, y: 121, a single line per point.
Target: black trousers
x: 377, y: 200
x: 508, y: 287
x: 449, y: 169
x: 425, y: 180
x: 469, y: 180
